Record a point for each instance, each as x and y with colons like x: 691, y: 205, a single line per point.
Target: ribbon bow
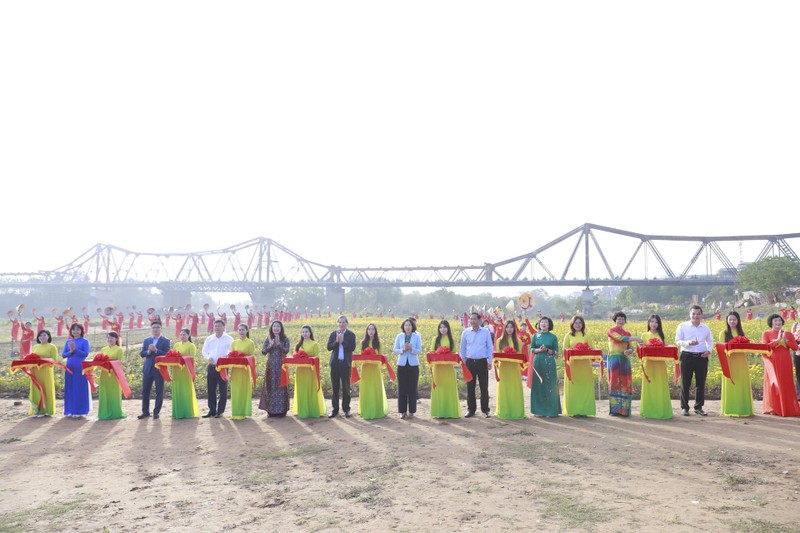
x: 299, y: 358
x: 237, y: 359
x: 370, y: 355
x: 443, y: 355
x: 112, y: 366
x: 174, y: 358
x: 33, y: 360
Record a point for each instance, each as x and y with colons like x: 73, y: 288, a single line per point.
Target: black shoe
x: 469, y: 414
x: 333, y: 414
x: 700, y: 411
x: 155, y: 417
x: 218, y: 415
x: 347, y: 414
x: 487, y: 415
x: 143, y: 416
x: 208, y: 415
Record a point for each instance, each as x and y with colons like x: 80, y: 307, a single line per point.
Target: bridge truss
x: 589, y: 255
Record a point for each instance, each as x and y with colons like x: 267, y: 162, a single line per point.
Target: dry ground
x: 601, y: 474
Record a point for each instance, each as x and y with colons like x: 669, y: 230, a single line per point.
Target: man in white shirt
x: 695, y: 341
x: 216, y: 346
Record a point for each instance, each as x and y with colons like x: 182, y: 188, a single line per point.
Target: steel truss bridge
x: 589, y: 255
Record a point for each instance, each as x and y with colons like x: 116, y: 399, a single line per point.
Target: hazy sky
x: 392, y: 133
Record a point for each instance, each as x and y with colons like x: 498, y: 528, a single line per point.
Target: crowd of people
x: 519, y: 352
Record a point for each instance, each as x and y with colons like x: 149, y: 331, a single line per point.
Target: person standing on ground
x: 695, y: 341
x: 476, y: 349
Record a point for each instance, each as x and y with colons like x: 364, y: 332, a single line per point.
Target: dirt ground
x: 600, y: 474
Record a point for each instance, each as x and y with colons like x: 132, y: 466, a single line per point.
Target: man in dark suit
x: 341, y: 343
x: 152, y: 347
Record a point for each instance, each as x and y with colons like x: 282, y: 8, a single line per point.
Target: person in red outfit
x: 26, y: 339
x: 40, y: 322
x: 780, y: 397
x: 14, y: 327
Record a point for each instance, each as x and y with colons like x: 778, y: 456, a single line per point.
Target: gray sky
x: 403, y: 133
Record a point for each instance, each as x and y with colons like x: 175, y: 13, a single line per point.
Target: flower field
x: 17, y: 385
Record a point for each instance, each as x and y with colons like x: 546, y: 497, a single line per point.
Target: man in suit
x: 341, y: 343
x: 152, y: 347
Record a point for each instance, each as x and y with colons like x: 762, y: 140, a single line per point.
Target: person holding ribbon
x: 216, y: 346
x: 274, y: 398
x: 445, y: 402
x: 77, y: 396
x: 621, y: 345
x: 153, y: 346
x: 407, y: 346
x: 241, y: 378
x: 109, y: 399
x: 45, y: 349
x: 308, y: 401
x: 372, y: 401
x: 579, y: 391
x: 655, y: 401
x: 184, y: 397
x: 510, y: 400
x: 341, y: 344
x: 737, y: 391
x: 695, y: 341
x: 779, y: 393
x: 475, y: 349
x: 545, y: 400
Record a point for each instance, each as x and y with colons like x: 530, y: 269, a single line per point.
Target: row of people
x: 476, y: 352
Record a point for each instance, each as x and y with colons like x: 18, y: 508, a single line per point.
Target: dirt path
x: 602, y: 474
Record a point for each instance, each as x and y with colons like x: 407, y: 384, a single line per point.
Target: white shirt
x: 687, y: 332
x: 215, y: 347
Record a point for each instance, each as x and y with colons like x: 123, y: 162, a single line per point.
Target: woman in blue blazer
x: 407, y: 345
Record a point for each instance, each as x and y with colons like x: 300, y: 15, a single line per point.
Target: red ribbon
x: 112, y: 366
x: 237, y: 359
x: 508, y: 354
x: 738, y: 343
x: 369, y: 354
x: 583, y: 353
x: 174, y: 357
x: 298, y: 358
x: 657, y: 350
x: 33, y: 360
x: 444, y: 355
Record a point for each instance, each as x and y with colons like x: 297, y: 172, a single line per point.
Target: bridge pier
x: 334, y: 298
x: 587, y: 296
x: 263, y: 296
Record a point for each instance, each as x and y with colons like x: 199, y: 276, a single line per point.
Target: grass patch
x: 758, y: 501
x: 294, y: 452
x: 371, y: 494
x: 754, y: 525
x: 533, y: 452
x: 733, y: 480
x: 723, y: 456
x: 574, y: 514
x: 45, y: 517
x: 261, y: 477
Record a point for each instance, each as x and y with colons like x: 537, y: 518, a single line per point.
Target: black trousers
x: 154, y: 376
x: 340, y: 380
x: 480, y: 372
x: 407, y: 382
x: 697, y: 367
x: 214, y: 381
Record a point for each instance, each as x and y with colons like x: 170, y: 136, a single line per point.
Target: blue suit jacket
x: 162, y: 347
